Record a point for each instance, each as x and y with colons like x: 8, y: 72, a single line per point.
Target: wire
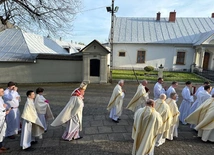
x: 91, y: 9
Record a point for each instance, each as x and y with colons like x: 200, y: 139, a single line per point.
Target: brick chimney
x: 172, y: 16
x: 212, y: 15
x: 158, y: 16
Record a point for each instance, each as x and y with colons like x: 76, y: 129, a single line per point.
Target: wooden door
x: 206, y: 60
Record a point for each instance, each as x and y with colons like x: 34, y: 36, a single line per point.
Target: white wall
x: 41, y: 71
x: 155, y: 55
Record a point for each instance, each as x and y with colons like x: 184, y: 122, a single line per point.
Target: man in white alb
x: 173, y: 131
x: 163, y: 108
x: 186, y: 103
x: 171, y: 89
x: 31, y: 125
x: 12, y: 98
x: 158, y: 89
x: 140, y: 97
x: 147, y: 122
x: 116, y: 102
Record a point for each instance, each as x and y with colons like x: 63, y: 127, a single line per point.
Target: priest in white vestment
x: 158, y: 89
x: 115, y: 104
x: 43, y: 108
x: 186, y: 103
x: 31, y: 126
x: 3, y: 126
x: 140, y: 98
x: 71, y: 115
x: 163, y: 108
x: 202, y: 96
x: 147, y: 122
x: 173, y: 131
x: 206, y: 83
x: 171, y: 89
x: 12, y: 99
x: 203, y: 118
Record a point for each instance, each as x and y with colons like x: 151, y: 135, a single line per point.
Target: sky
x: 93, y: 22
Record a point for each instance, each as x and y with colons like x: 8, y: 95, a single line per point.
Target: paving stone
x: 99, y: 117
x: 96, y: 123
x: 85, y: 139
x: 100, y: 137
x: 108, y: 122
x: 122, y: 122
x: 116, y: 137
x: 105, y: 129
x: 128, y: 136
x: 118, y: 128
x: 91, y: 130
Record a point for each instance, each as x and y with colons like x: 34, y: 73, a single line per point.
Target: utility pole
x: 111, y: 40
x: 112, y: 10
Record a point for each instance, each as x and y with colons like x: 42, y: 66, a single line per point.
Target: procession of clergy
x: 154, y: 120
x: 157, y: 120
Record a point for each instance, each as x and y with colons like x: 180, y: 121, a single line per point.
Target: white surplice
x: 32, y: 126
x: 139, y: 99
x: 185, y: 104
x: 2, y: 120
x: 158, y: 90
x: 12, y: 99
x: 116, y: 103
x: 43, y: 110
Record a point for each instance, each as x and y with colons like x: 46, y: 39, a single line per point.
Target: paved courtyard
x: 101, y: 136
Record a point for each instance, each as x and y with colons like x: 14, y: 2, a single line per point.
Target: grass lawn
x: 153, y: 75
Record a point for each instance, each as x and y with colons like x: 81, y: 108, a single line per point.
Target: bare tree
x: 52, y: 17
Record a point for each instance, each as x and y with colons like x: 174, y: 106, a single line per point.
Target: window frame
x: 122, y: 55
x: 144, y: 53
x: 184, y: 58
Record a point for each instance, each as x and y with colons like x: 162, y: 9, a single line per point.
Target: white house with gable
x: 176, y: 43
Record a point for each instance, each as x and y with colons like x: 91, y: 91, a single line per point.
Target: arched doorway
x: 206, y: 61
x: 94, y: 67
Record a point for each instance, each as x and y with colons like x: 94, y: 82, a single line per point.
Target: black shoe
x: 33, y: 142
x: 78, y: 138
x: 29, y: 149
x: 116, y: 121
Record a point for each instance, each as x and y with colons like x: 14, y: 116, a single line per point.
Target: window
x: 141, y: 56
x: 122, y: 54
x: 180, y: 58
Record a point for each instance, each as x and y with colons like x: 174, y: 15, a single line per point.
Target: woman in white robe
x: 71, y: 115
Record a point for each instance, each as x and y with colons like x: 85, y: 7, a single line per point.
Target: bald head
x: 121, y: 83
x: 144, y: 82
x: 173, y: 96
x: 163, y: 97
x: 150, y: 103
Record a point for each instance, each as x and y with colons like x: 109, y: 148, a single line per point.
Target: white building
x: 176, y: 43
